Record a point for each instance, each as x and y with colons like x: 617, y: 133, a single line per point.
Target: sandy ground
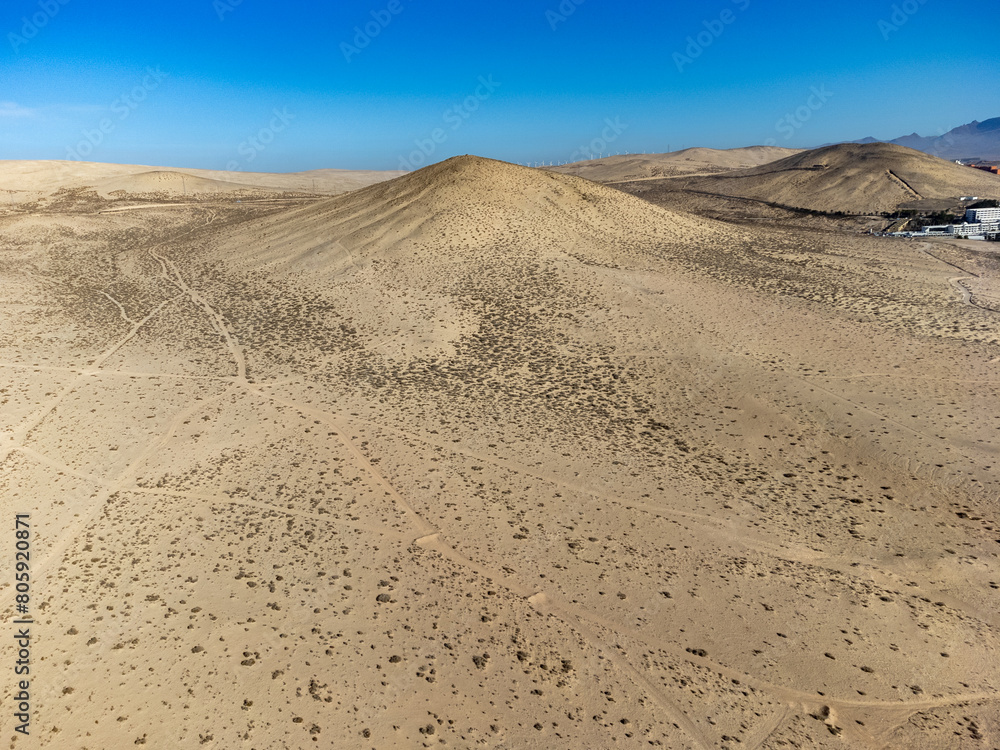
x: 41, y: 184
x: 491, y: 457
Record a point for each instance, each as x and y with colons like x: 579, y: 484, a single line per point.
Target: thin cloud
x: 15, y: 110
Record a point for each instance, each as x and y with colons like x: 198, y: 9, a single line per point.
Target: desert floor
x: 734, y: 491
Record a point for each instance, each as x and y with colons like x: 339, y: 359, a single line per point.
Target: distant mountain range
x: 977, y: 140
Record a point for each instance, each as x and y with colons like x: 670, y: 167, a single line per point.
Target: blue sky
x: 262, y: 86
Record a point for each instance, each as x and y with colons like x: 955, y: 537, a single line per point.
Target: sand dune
x: 854, y: 178
x: 30, y: 180
x: 166, y: 183
x: 457, y: 211
x: 676, y: 163
x: 492, y: 457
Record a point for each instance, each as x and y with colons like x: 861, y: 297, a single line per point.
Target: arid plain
x: 490, y: 457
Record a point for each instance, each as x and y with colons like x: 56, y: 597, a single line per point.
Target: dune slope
x: 853, y: 178
x: 689, y: 161
x: 460, y: 210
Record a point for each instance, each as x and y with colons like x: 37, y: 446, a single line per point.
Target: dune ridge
x: 620, y: 168
x: 853, y: 178
x: 461, y: 207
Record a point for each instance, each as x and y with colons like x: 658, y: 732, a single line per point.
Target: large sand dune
x: 464, y: 209
x: 853, y: 178
x: 166, y: 183
x: 620, y: 168
x: 490, y: 457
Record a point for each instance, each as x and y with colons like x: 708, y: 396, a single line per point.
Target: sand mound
x: 855, y: 178
x: 30, y: 180
x: 688, y: 161
x: 466, y: 204
x: 167, y: 184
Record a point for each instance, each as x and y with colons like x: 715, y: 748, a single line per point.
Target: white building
x: 978, y: 215
x: 974, y: 230
x: 966, y: 230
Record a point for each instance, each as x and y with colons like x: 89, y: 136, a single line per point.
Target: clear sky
x: 258, y: 85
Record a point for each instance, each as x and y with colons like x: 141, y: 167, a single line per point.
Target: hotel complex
x: 980, y: 223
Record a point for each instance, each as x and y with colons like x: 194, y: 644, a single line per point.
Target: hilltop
x: 673, y: 164
x: 462, y: 208
x: 852, y: 178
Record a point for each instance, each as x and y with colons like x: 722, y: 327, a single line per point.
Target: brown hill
x: 686, y: 162
x: 854, y: 178
x: 460, y: 206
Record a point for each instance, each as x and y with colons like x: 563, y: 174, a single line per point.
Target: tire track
x: 226, y: 500
x: 756, y: 739
x: 120, y: 308
x: 18, y: 434
x: 98, y: 501
x: 895, y: 376
x: 527, y: 471
x: 218, y: 322
x: 431, y: 538
x: 584, y: 621
x: 723, y: 533
x: 789, y: 695
x: 424, y: 528
x: 41, y: 458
